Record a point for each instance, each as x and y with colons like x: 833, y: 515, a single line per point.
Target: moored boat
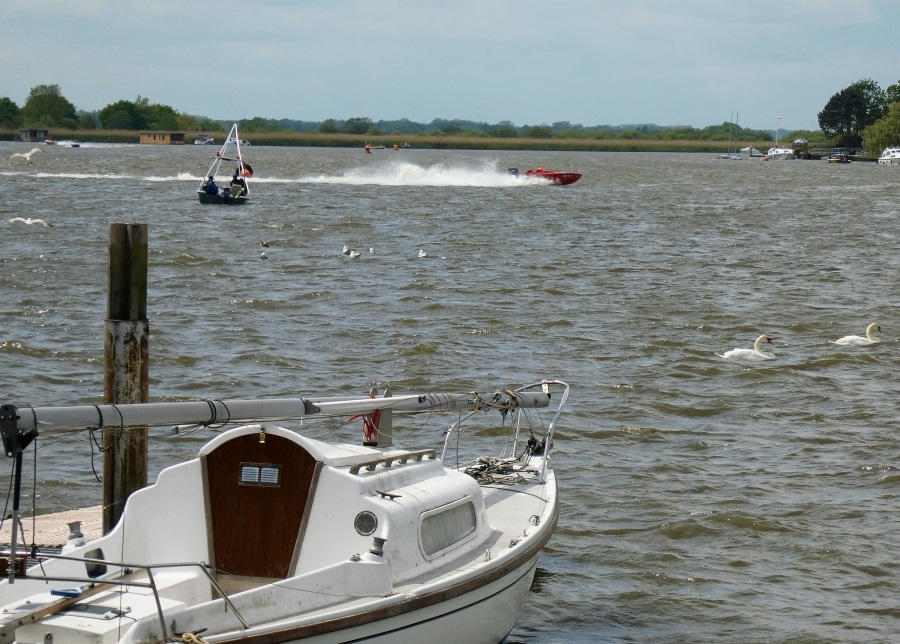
x: 779, y: 152
x: 238, y: 191
x: 556, y: 177
x: 270, y: 535
x: 890, y: 156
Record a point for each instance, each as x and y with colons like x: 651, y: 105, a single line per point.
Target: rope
x: 188, y: 638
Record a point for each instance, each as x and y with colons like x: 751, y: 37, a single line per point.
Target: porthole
x: 365, y: 523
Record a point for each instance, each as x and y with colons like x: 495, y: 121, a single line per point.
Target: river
x: 702, y: 500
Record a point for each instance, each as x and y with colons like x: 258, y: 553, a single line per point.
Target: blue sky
x: 531, y: 62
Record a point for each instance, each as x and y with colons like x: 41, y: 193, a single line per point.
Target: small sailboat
x: 237, y: 193
x: 731, y: 155
x: 272, y: 535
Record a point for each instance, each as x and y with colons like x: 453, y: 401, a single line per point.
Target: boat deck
x: 52, y: 530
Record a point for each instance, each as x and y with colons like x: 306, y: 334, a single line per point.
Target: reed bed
x: 420, y: 141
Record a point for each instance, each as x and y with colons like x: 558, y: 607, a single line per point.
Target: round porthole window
x: 365, y: 523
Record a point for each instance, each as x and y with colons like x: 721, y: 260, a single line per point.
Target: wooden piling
x: 126, y: 376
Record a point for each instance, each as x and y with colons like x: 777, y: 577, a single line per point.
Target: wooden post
x: 126, y: 353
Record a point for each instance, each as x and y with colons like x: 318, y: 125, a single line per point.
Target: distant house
x: 33, y: 135
x: 163, y: 138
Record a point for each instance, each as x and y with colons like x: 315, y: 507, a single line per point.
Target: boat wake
x: 398, y: 173
x: 410, y: 174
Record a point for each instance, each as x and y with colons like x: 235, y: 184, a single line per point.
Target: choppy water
x: 702, y: 500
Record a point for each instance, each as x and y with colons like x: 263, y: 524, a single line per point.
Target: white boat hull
x: 485, y: 615
x: 269, y: 536
x: 889, y: 156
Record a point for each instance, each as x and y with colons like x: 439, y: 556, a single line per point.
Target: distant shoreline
x: 426, y: 142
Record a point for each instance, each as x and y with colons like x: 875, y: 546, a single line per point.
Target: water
x: 702, y: 501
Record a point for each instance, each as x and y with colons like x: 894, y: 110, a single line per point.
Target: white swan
x: 756, y: 353
x: 859, y: 341
x: 30, y: 221
x: 27, y: 156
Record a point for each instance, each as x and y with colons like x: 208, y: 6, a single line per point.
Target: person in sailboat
x: 210, y: 186
x: 238, y: 181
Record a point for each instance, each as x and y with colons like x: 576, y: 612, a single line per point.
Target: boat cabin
x: 163, y: 138
x: 260, y: 505
x: 33, y: 135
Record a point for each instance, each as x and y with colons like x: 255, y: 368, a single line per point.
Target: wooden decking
x: 52, y: 530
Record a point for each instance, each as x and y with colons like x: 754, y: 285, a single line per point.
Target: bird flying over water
x: 30, y: 221
x: 27, y: 155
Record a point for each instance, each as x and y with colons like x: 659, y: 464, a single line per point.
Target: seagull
x: 263, y: 256
x: 422, y: 253
x: 346, y: 251
x: 30, y: 221
x: 371, y: 251
x: 353, y: 254
x: 858, y: 341
x: 264, y: 244
x: 27, y: 156
x: 756, y: 353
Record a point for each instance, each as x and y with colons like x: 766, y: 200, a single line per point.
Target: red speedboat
x: 553, y: 176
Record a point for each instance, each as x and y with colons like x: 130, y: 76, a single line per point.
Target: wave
x: 404, y: 173
x: 398, y: 173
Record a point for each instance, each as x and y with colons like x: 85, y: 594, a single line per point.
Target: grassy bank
x: 419, y: 141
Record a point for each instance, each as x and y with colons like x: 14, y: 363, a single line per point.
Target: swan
x: 30, y: 221
x: 27, y: 155
x: 756, y: 353
x: 859, y: 341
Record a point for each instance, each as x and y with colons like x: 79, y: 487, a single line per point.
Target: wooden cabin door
x: 257, y: 494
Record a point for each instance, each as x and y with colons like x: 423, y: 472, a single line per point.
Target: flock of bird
x: 757, y: 353
x: 353, y: 254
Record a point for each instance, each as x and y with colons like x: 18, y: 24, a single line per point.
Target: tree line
x: 861, y: 114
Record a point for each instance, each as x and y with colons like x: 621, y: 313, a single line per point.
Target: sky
x: 528, y: 62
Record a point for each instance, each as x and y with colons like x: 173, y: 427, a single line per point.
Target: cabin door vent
x: 263, y: 474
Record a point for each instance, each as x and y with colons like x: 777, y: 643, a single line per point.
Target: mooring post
x: 126, y: 354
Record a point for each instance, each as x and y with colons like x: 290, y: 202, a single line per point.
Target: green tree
x: 876, y: 103
x: 160, y: 117
x: 892, y: 94
x: 357, y: 125
x: 538, y: 132
x: 259, y: 124
x: 9, y: 113
x: 503, y: 130
x: 884, y: 133
x: 47, y: 107
x: 87, y: 120
x: 841, y: 114
x: 123, y: 115
x: 328, y: 126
